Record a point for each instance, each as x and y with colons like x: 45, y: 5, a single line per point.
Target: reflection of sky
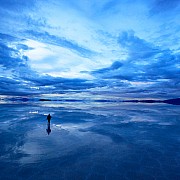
x: 103, y: 140
x: 114, y: 46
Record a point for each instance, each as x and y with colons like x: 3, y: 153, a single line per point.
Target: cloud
x: 137, y: 47
x: 110, y: 5
x: 18, y: 78
x: 58, y: 84
x: 146, y: 64
x: 59, y: 41
x: 164, y: 6
x: 12, y: 87
x: 115, y: 65
x: 9, y: 56
x: 17, y: 5
x: 89, y: 42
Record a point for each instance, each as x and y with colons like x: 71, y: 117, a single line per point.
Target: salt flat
x: 89, y: 140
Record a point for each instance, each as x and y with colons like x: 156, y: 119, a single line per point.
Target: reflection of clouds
x: 108, y: 140
x: 165, y: 123
x: 33, y: 112
x: 89, y: 130
x: 76, y: 127
x: 140, y: 119
x: 57, y: 125
x: 65, y: 139
x: 39, y: 146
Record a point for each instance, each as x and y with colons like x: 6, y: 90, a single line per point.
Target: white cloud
x: 39, y: 50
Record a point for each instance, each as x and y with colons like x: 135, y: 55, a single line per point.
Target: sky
x: 124, y: 47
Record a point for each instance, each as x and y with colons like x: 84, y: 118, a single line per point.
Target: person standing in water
x: 49, y: 118
x: 48, y: 124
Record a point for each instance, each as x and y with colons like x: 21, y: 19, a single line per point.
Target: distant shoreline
x: 149, y: 101
x: 169, y: 101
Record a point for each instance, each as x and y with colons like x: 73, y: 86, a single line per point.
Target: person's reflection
x: 48, y: 128
x: 48, y: 124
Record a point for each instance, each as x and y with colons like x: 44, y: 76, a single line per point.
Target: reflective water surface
x: 89, y: 141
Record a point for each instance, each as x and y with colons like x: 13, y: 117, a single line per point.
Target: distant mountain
x: 19, y: 99
x: 169, y: 101
x: 150, y: 101
x: 173, y: 101
x: 44, y: 99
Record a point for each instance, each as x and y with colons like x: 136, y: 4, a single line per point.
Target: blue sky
x: 118, y: 46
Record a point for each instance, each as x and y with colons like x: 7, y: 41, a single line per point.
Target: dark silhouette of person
x: 48, y: 128
x: 48, y: 124
x: 49, y: 118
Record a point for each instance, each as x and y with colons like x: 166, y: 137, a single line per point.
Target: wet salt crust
x: 104, y: 141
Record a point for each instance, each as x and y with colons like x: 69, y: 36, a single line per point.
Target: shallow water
x: 90, y: 141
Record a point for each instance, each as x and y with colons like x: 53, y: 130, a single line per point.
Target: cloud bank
x: 119, y: 47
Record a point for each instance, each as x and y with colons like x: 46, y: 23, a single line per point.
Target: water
x: 90, y: 141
